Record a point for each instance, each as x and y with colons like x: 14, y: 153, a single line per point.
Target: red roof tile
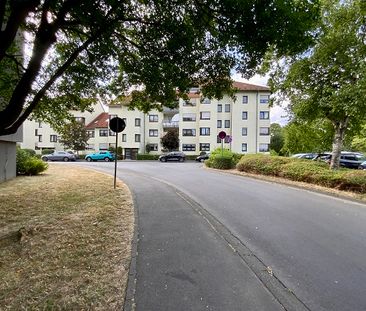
x: 100, y: 121
x: 241, y: 86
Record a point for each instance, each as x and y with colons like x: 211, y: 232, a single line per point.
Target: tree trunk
x: 340, y: 128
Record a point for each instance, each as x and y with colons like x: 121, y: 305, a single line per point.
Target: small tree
x: 170, y: 140
x: 277, y: 139
x: 74, y: 136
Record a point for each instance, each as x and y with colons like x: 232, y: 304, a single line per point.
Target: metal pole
x: 222, y: 147
x: 115, y: 161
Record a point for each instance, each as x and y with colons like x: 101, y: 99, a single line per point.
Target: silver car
x: 59, y: 156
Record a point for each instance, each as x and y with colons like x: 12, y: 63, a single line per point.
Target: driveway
x: 311, y: 244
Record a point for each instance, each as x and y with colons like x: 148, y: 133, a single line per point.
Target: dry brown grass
x: 65, y: 241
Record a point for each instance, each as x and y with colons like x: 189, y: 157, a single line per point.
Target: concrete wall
x: 8, y: 150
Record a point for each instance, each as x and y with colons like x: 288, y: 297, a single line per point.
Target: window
x: 263, y: 131
x: 245, y: 99
x: 189, y: 132
x: 264, y: 115
x: 263, y: 99
x: 189, y: 147
x: 153, y: 133
x: 244, y: 131
x: 263, y: 147
x: 227, y: 107
x: 219, y: 108
x: 124, y: 138
x: 189, y: 103
x: 137, y: 122
x: 227, y: 123
x: 244, y: 115
x: 111, y: 116
x: 40, y: 124
x: 204, y: 147
x: 103, y: 132
x: 204, y: 131
x: 189, y: 117
x: 152, y: 147
x: 205, y: 115
x: 137, y: 138
x: 39, y: 138
x: 244, y: 147
x: 89, y: 147
x: 53, y: 138
x: 111, y: 133
x: 90, y: 133
x: 125, y: 120
x: 219, y: 124
x: 153, y: 118
x: 36, y: 132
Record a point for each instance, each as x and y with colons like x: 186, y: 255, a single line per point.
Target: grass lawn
x: 65, y: 241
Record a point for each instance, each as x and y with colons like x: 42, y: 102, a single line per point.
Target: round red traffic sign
x: 222, y: 134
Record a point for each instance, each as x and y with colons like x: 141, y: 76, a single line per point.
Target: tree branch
x: 17, y: 16
x: 59, y: 72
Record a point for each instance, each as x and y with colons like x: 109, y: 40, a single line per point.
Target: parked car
x: 362, y: 166
x: 59, y: 156
x: 203, y: 157
x: 173, y: 156
x: 308, y: 156
x: 102, y: 155
x: 349, y: 159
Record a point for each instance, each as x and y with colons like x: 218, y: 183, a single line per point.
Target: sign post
x: 222, y: 136
x: 116, y: 125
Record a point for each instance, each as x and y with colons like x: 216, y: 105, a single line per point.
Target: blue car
x: 103, y: 155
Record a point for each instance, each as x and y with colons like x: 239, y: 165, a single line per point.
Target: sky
x: 277, y: 114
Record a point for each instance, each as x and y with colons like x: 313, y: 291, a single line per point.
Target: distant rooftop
x: 100, y: 121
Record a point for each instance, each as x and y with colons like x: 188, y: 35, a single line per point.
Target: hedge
x: 147, y: 156
x: 313, y: 172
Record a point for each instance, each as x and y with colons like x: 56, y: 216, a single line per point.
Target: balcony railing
x: 170, y: 124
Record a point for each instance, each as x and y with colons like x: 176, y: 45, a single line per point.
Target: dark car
x: 173, y: 156
x: 362, y: 166
x: 349, y: 159
x: 203, y: 157
x: 59, y: 156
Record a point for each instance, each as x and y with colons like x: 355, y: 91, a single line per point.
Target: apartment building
x: 245, y: 119
x: 39, y: 135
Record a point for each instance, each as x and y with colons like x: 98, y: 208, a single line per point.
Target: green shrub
x: 191, y: 157
x: 27, y: 164
x: 31, y: 152
x: 147, y: 156
x: 305, y: 171
x: 222, y: 159
x: 34, y: 166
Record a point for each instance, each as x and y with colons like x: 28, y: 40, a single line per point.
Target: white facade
x: 40, y: 135
x: 245, y: 118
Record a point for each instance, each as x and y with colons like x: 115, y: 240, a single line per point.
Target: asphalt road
x: 314, y: 244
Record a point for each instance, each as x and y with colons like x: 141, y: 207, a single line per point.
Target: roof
x: 100, y: 121
x: 241, y: 86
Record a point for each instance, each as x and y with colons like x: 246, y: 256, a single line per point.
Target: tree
x: 74, y: 136
x: 88, y: 50
x: 277, y: 138
x: 359, y: 141
x: 170, y: 140
x: 303, y: 137
x: 329, y: 81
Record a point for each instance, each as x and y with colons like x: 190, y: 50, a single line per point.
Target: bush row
x: 304, y: 170
x: 147, y: 156
x: 223, y: 159
x: 28, y: 164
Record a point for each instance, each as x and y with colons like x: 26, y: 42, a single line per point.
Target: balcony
x: 170, y: 124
